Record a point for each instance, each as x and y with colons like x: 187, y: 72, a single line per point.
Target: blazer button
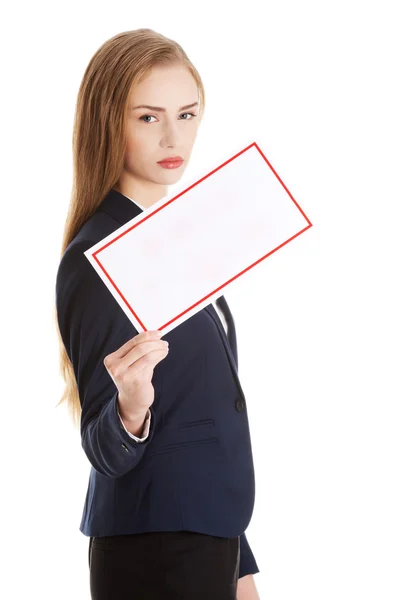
x: 239, y: 405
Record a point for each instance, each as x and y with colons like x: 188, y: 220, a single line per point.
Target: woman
x: 171, y: 486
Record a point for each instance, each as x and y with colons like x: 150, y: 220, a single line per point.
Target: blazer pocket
x: 183, y: 445
x: 201, y: 423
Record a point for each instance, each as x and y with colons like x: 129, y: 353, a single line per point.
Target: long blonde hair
x: 98, y: 141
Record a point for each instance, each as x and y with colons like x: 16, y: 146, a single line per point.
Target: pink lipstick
x: 172, y: 162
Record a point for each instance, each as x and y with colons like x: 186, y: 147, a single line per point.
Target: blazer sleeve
x: 92, y: 324
x: 248, y: 565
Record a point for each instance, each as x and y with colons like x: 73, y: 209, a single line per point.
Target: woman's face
x: 154, y: 134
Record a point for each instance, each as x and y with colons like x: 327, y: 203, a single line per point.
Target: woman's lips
x: 171, y: 164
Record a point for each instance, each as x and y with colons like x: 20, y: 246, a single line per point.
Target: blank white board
x: 182, y: 253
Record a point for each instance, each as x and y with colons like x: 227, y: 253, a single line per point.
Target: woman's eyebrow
x: 161, y: 109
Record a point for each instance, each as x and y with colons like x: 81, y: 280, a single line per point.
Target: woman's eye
x: 150, y: 116
x: 144, y: 117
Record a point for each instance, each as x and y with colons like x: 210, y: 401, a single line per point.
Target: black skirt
x: 165, y: 565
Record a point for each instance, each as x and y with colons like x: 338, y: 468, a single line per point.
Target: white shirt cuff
x: 146, y: 428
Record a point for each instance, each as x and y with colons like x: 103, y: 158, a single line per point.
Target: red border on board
x: 172, y: 200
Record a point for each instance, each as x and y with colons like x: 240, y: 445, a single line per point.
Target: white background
x: 317, y: 84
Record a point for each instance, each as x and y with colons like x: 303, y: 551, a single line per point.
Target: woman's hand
x: 131, y: 368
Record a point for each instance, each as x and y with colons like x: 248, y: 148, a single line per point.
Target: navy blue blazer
x: 195, y: 470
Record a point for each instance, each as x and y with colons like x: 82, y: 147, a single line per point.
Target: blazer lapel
x: 223, y: 305
x: 229, y: 347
